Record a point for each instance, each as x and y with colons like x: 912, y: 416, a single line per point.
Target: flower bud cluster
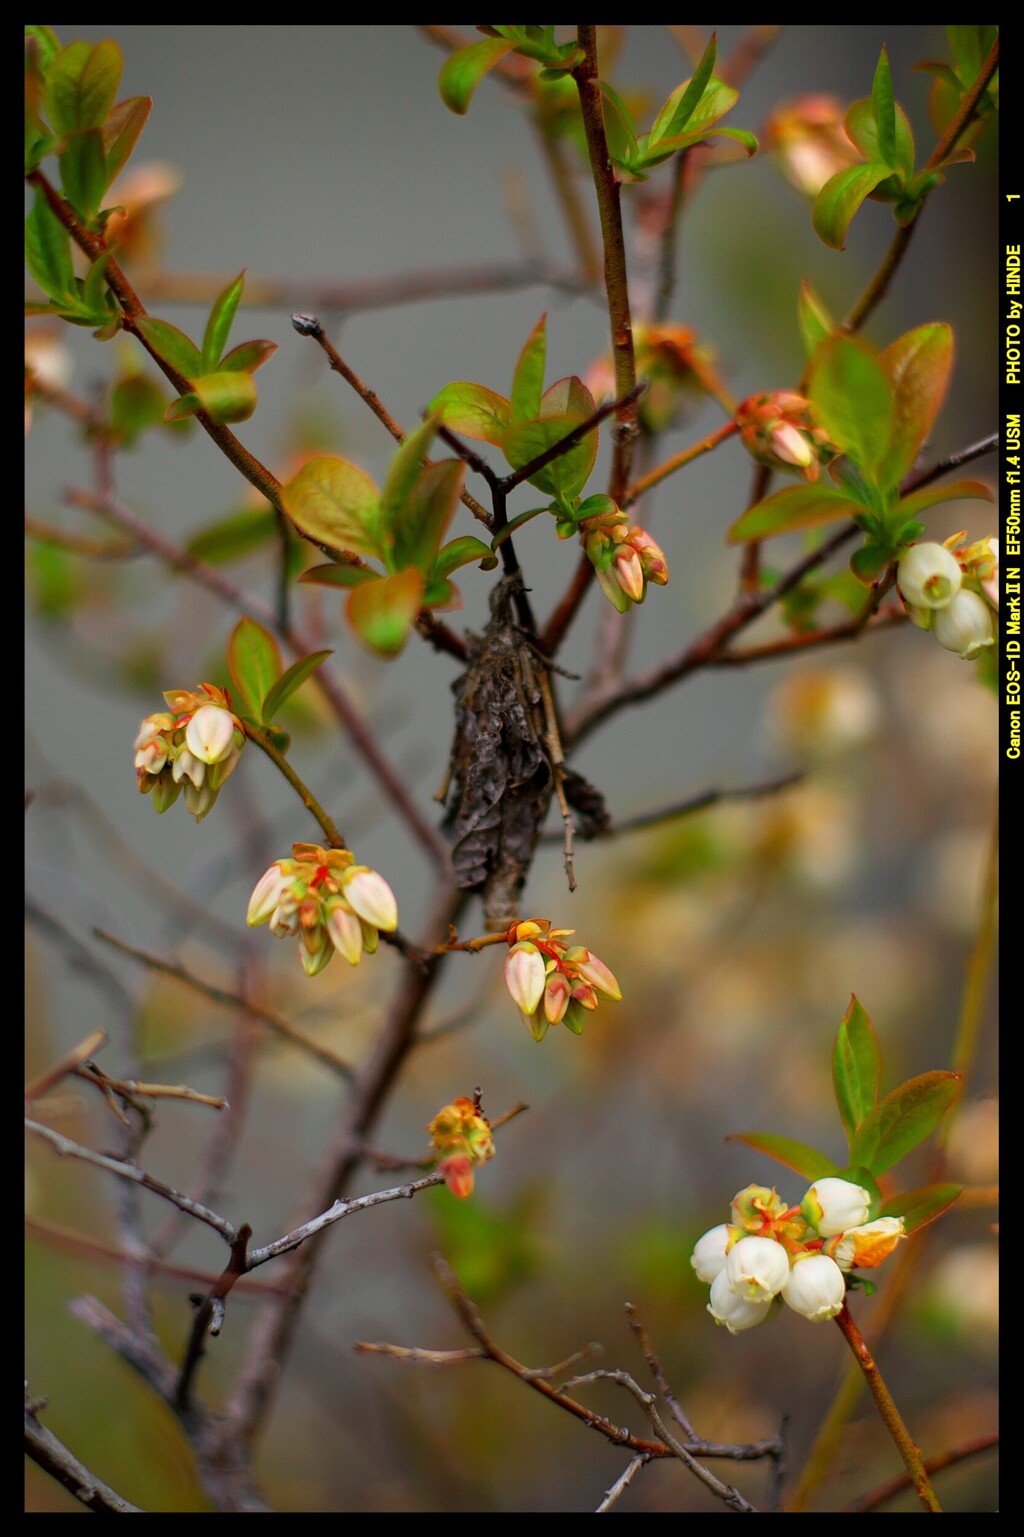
x: 192, y: 746
x: 777, y: 430
x: 462, y: 1135
x: 952, y: 590
x: 799, y: 1253
x: 328, y: 900
x: 625, y: 559
x: 553, y: 983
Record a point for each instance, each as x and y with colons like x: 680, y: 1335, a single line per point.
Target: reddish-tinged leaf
x: 854, y: 400
x: 473, y: 411
x: 856, y: 1067
x: 903, y: 1119
x: 958, y: 491
x: 254, y: 662
x: 248, y: 356
x: 463, y: 71
x: 336, y: 504
x: 919, y: 1207
x: 381, y: 613
x: 464, y: 551
x: 338, y: 574
x: 172, y: 345
x: 840, y: 198
x: 121, y: 132
x: 800, y: 1156
x: 290, y: 680
x: 528, y: 381
x: 918, y: 366
x: 793, y: 508
x: 218, y: 327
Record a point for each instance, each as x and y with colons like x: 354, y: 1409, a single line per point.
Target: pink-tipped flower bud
x: 593, y: 970
x: 557, y: 997
x: 369, y: 895
x: 345, y: 930
x: 832, y: 1205
x: 629, y: 573
x: 524, y: 976
x: 815, y: 1287
x: 266, y: 895
x: 210, y: 734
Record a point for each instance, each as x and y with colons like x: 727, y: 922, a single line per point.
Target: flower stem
x: 306, y: 796
x: 891, y: 1416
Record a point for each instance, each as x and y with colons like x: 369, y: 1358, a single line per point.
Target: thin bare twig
x: 66, y: 1148
x: 233, y: 1001
x: 685, y: 808
x: 622, y: 1483
x: 948, y: 1459
x: 54, y: 1458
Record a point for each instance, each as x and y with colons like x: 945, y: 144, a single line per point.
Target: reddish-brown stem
x: 891, y: 1417
x: 663, y: 471
x: 877, y: 289
x: 936, y: 1464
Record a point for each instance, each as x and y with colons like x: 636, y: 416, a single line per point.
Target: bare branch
x: 65, y: 1148
x: 623, y: 1482
x: 54, y: 1458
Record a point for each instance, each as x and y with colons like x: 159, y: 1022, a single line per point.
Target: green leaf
x: 528, y: 380
x: 336, y: 504
x: 121, y: 132
x: 903, y: 1119
x: 403, y: 472
x: 254, y: 663
x: 45, y: 42
x: 171, y: 345
x: 854, y: 400
x: 463, y: 71
x: 234, y: 537
x: 883, y: 103
x: 815, y: 322
x: 618, y: 126
x: 856, y: 1068
x: 382, y: 612
x: 248, y: 356
x: 800, y: 1156
x: 339, y: 574
x: 668, y: 147
x: 463, y: 551
x: 960, y: 490
x: 81, y: 85
x: 677, y: 111
x: 565, y: 476
x: 918, y: 366
x: 421, y: 523
x: 473, y: 411
x: 970, y: 46
x: 226, y: 397
x: 863, y: 130
x: 921, y: 1206
x: 840, y: 198
x: 95, y: 297
x: 48, y: 250
x: 136, y: 402
x: 83, y: 171
x: 290, y: 680
x: 218, y: 327
x: 794, y: 508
